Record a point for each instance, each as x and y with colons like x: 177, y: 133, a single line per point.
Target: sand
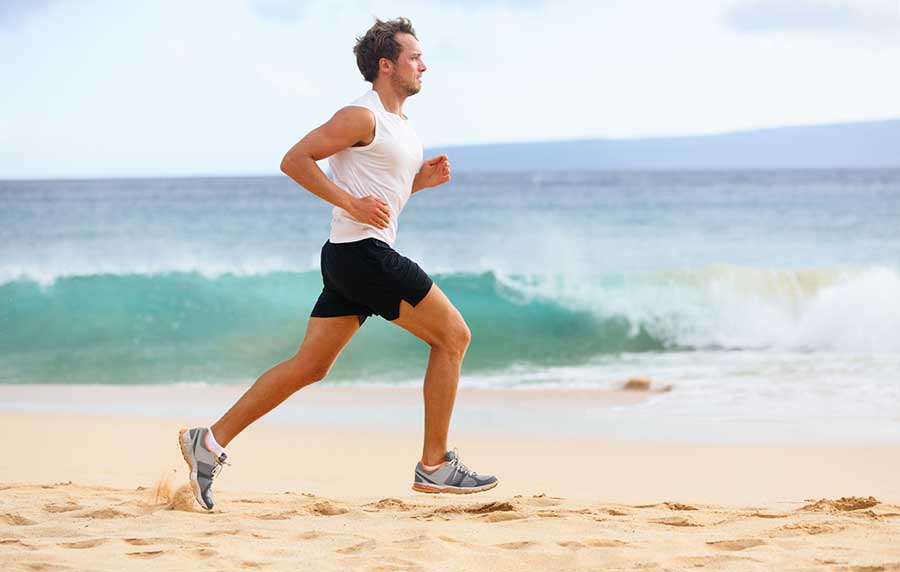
x: 106, y: 492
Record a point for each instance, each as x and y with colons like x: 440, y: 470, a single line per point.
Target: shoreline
x: 609, y: 415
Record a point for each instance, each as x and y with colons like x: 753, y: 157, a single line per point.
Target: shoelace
x: 220, y: 462
x: 459, y: 466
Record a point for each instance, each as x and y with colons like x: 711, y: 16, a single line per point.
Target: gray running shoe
x: 452, y: 477
x: 203, y: 463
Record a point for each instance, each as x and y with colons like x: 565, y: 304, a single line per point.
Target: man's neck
x: 390, y: 99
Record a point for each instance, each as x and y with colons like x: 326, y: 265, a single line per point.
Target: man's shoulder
x: 355, y: 113
x: 356, y: 121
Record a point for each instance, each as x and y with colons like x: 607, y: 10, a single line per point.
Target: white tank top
x: 384, y: 168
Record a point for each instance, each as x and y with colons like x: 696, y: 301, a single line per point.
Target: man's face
x: 409, y: 67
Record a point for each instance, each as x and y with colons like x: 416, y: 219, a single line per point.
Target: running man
x: 376, y: 161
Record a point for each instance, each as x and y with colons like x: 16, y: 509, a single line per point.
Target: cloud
x: 278, y: 10
x: 14, y: 13
x: 291, y: 10
x: 753, y: 16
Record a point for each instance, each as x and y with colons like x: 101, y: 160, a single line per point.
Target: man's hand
x: 434, y: 172
x: 370, y: 210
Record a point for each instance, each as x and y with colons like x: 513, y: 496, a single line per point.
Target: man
x: 376, y: 162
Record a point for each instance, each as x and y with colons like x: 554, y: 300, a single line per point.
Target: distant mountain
x: 842, y: 145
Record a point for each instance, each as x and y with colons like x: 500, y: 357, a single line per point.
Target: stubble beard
x: 410, y: 87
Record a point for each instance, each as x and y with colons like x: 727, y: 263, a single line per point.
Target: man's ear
x: 384, y: 64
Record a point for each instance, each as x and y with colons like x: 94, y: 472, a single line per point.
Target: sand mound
x: 842, y: 504
x: 325, y: 508
x: 390, y: 504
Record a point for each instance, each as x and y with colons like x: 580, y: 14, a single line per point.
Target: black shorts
x: 368, y: 277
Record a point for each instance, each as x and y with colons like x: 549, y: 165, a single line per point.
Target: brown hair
x: 379, y: 42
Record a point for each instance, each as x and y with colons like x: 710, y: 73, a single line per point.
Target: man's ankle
x: 212, y: 445
x: 432, y: 460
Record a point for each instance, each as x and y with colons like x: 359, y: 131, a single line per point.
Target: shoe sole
x: 195, y: 486
x: 420, y: 488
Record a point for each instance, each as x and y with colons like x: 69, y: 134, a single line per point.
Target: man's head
x: 390, y: 51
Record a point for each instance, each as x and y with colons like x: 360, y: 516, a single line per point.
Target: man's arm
x: 349, y: 126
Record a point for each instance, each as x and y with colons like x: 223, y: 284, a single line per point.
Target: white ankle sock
x: 213, y: 445
x: 430, y: 468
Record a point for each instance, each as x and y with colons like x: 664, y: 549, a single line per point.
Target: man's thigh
x: 325, y: 338
x: 433, y: 319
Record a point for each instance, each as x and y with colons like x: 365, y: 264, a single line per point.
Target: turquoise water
x: 737, y: 287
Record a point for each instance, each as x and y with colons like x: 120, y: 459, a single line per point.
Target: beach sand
x: 83, y: 491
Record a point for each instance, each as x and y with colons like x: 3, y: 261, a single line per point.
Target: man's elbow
x: 287, y: 165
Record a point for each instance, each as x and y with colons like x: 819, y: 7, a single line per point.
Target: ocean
x: 754, y: 294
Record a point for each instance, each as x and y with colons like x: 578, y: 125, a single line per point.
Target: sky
x: 224, y: 87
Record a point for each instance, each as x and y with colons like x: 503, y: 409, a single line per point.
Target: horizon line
x: 641, y: 139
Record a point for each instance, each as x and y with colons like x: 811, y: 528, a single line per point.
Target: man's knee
x: 465, y: 336
x: 318, y: 373
x: 455, y: 338
x: 306, y: 373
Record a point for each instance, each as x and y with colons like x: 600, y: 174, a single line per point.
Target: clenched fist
x: 434, y: 172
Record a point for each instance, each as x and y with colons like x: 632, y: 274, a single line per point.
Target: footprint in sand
x: 392, y: 564
x: 18, y: 543
x: 483, y: 508
x: 146, y: 554
x: 43, y: 566
x: 592, y: 543
x: 84, y: 543
x: 669, y: 505
x: 104, y: 513
x: 203, y: 553
x: 220, y: 533
x: 363, y: 546
x: 605, y: 543
x: 57, y: 508
x: 15, y: 520
x: 718, y: 562
x: 311, y: 535
x: 676, y: 521
x: 249, y: 564
x: 414, y: 542
x: 734, y: 545
x: 520, y: 545
x: 800, y: 529
x: 502, y: 516
x: 149, y: 541
x: 278, y: 515
x: 768, y: 515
